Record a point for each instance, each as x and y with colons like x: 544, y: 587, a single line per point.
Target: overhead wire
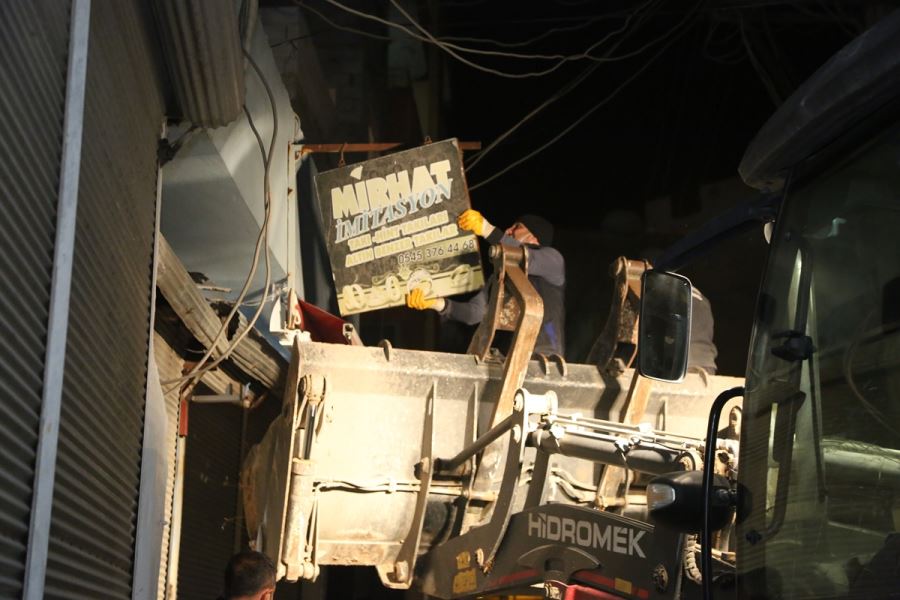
x: 758, y: 67
x: 522, y: 43
x: 278, y: 290
x: 449, y: 38
x: 825, y: 17
x: 453, y: 49
x: 680, y: 28
x: 202, y: 367
x: 842, y: 20
x: 563, y: 59
x: 730, y: 57
x: 297, y: 38
x: 376, y: 36
x: 866, y: 334
x: 557, y: 95
x: 464, y: 3
x: 340, y: 27
x: 267, y: 199
x: 449, y: 47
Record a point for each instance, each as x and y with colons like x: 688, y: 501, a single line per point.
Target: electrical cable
x: 689, y: 560
x: 529, y: 41
x: 557, y: 95
x: 842, y: 22
x: 451, y: 48
x: 486, y: 41
x: 757, y: 66
x: 562, y: 58
x: 847, y: 369
x: 194, y: 375
x: 265, y: 227
x: 362, y: 32
x: 304, y: 36
x: 279, y: 289
x: 731, y: 57
x: 447, y: 47
x: 463, y: 3
x: 681, y: 26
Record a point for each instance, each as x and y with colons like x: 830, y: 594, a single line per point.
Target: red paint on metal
x: 595, y: 578
x: 321, y: 325
x: 579, y: 592
x: 643, y: 594
x: 183, y: 418
x: 513, y: 578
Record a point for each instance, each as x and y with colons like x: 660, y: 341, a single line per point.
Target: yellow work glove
x: 472, y: 220
x: 416, y: 299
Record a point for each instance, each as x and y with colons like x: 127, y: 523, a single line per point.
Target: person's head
x: 531, y: 229
x: 734, y: 419
x: 249, y: 575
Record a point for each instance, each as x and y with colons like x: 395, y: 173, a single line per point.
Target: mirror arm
x: 709, y: 457
x: 719, y: 229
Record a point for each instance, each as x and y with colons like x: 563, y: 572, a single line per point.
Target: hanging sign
x: 390, y: 226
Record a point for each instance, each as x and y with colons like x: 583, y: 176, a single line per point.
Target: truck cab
x: 818, y: 492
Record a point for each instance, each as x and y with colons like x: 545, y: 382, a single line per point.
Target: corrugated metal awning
x: 202, y: 47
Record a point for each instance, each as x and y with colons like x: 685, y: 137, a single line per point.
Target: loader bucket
x: 336, y: 478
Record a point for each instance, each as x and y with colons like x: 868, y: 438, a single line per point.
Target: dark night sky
x: 708, y: 77
x: 684, y: 120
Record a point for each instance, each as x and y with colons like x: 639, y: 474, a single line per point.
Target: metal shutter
x: 211, y: 478
x: 92, y: 528
x: 33, y: 53
x: 170, y: 366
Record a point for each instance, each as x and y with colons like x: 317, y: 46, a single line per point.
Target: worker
x: 702, y: 351
x: 546, y: 272
x: 733, y: 430
x: 249, y: 575
x: 729, y: 438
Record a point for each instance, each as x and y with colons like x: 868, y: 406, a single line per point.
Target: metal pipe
x: 60, y: 290
x: 646, y: 458
x: 218, y: 399
x: 448, y: 464
x: 709, y: 458
x: 612, y: 427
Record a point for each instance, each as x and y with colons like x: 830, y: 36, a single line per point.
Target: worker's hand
x: 416, y: 299
x: 472, y: 220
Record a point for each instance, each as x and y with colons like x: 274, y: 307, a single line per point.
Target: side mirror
x: 676, y: 501
x: 664, y: 332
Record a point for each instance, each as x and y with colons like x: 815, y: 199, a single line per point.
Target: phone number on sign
x: 442, y: 250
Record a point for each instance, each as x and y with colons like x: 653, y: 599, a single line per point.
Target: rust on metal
x: 253, y: 356
x: 366, y: 491
x: 514, y: 306
x: 399, y: 577
x: 613, y: 477
x: 527, y: 309
x: 341, y: 148
x: 618, y: 339
x: 266, y: 477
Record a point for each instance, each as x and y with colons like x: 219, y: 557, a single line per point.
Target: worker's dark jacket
x: 702, y: 352
x: 547, y: 273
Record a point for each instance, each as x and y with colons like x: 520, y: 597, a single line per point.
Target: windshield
x: 820, y: 458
